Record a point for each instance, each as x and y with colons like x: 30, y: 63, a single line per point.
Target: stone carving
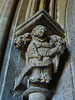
x: 42, y: 54
x: 22, y: 41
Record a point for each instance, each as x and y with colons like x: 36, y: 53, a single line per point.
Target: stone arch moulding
x: 42, y: 41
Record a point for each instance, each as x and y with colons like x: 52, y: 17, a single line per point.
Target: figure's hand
x: 22, y: 41
x: 19, y: 42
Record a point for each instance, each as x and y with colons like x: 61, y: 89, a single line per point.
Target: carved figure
x: 42, y: 54
x: 38, y: 56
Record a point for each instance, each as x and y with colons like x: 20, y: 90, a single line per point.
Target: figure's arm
x: 57, y: 46
x: 21, y: 42
x: 57, y: 49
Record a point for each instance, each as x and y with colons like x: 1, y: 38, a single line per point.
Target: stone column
x: 37, y: 96
x: 37, y: 92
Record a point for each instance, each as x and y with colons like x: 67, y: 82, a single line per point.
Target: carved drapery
x: 42, y: 44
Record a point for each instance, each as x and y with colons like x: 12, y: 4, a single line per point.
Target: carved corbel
x: 42, y: 40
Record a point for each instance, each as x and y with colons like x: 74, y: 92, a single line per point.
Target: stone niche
x: 40, y: 42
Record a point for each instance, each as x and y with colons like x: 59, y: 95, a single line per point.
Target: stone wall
x: 15, y: 12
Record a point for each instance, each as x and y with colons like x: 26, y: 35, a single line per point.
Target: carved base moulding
x: 41, y: 40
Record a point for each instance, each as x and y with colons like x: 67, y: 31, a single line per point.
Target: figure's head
x: 39, y: 31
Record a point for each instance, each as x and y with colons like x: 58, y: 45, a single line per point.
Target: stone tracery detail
x: 42, y: 54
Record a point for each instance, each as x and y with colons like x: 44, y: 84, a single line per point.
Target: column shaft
x: 42, y: 4
x: 37, y: 96
x: 28, y: 9
x: 51, y: 11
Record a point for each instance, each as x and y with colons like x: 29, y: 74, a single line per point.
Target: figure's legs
x: 35, y: 75
x: 45, y: 74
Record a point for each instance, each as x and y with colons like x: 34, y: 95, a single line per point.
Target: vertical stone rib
x: 42, y: 4
x: 34, y: 7
x: 56, y: 1
x: 2, y: 4
x: 61, y: 12
x: 28, y: 9
x: 51, y: 11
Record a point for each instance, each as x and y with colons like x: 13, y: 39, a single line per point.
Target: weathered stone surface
x: 22, y: 11
x: 37, y: 96
x: 39, y: 50
x: 65, y: 87
x: 70, y: 29
x: 43, y: 4
x: 5, y: 25
x: 61, y: 12
x: 52, y: 8
x: 42, y: 56
x: 71, y: 43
